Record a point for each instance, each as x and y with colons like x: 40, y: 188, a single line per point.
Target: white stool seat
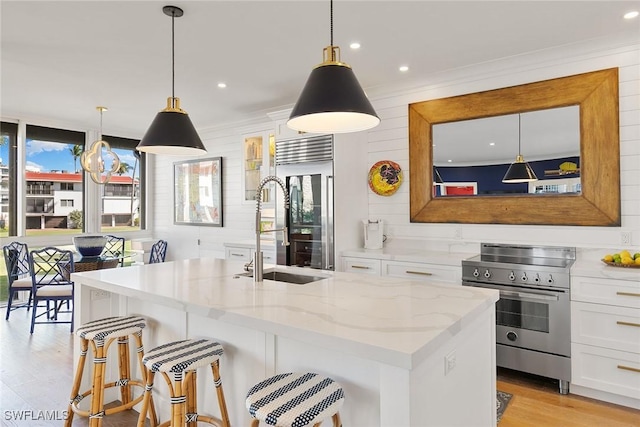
x: 111, y: 327
x: 294, y: 399
x: 181, y: 356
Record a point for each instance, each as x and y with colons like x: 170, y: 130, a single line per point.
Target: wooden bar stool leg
x: 75, y: 389
x: 337, y: 422
x: 255, y: 423
x: 224, y: 415
x: 145, y: 402
x: 97, y: 388
x: 125, y: 369
x: 178, y: 402
x: 191, y: 415
x: 153, y: 417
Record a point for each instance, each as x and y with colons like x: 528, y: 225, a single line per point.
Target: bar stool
x: 181, y: 359
x: 295, y: 400
x: 101, y: 333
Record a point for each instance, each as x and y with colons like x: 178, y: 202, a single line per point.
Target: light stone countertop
x: 589, y: 264
x: 391, y: 320
x: 251, y: 244
x: 410, y: 255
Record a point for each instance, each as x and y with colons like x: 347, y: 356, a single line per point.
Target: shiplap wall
x: 355, y: 153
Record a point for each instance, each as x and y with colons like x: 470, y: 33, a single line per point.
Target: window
x: 54, y: 183
x: 123, y: 197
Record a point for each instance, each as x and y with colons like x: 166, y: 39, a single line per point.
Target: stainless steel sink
x: 285, y: 276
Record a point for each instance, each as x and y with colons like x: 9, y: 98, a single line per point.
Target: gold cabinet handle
x: 620, y: 322
x: 422, y: 273
x: 628, y: 294
x: 628, y: 368
x: 362, y: 267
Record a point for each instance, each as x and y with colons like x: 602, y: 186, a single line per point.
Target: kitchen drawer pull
x: 237, y: 254
x: 422, y: 273
x: 628, y: 294
x: 628, y: 368
x: 620, y: 322
x: 363, y: 267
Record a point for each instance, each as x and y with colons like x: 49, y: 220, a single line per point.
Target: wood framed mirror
x: 598, y: 204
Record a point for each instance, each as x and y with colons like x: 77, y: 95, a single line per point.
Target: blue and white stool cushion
x: 111, y: 327
x: 295, y: 399
x: 181, y: 356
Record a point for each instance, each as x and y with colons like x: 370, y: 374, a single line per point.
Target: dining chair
x: 114, y: 248
x: 16, y: 259
x: 51, y: 270
x: 158, y: 252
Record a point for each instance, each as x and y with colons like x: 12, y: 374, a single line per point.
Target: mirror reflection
x: 472, y: 156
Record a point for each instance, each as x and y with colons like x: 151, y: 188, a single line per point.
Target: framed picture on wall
x: 197, y: 192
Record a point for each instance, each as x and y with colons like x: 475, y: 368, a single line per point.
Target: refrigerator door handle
x: 329, y: 229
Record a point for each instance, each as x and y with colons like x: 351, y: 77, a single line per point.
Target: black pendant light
x: 172, y: 132
x: 332, y: 100
x: 519, y: 171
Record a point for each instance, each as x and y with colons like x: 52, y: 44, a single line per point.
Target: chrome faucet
x: 257, y: 257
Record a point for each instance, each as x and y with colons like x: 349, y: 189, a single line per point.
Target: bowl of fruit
x: 623, y: 258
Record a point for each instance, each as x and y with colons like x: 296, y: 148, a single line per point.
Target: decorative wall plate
x: 385, y: 177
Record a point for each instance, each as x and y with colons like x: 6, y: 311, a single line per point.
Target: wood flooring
x: 36, y: 373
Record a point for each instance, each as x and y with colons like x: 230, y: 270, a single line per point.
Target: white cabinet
x: 244, y: 252
x: 433, y: 273
x: 239, y: 254
x: 361, y: 265
x: 605, y: 339
x: 421, y: 271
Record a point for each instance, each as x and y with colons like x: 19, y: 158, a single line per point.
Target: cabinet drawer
x: 239, y: 254
x: 624, y: 293
x: 418, y: 271
x: 361, y: 265
x: 617, y: 328
x: 269, y: 257
x: 611, y: 371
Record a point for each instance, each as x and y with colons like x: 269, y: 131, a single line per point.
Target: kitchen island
x: 406, y: 353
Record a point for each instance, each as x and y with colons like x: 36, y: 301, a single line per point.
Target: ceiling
x: 61, y: 59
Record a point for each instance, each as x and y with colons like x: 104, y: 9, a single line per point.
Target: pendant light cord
x: 100, y: 134
x: 331, y: 14
x: 519, y: 136
x: 173, y: 58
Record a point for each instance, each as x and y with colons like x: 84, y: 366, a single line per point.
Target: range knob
x: 524, y: 277
x: 512, y: 336
x: 537, y: 278
x: 476, y: 273
x: 550, y: 280
x: 512, y: 276
x: 487, y: 274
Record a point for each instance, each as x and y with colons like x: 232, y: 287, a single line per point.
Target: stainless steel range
x: 533, y: 329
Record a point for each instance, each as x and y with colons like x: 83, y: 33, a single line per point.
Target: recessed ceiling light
x: 403, y: 68
x: 222, y: 85
x: 631, y: 15
x: 449, y: 160
x: 355, y: 45
x: 491, y: 144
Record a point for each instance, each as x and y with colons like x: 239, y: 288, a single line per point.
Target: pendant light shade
x: 172, y: 132
x: 92, y: 160
x: 332, y: 100
x: 519, y: 171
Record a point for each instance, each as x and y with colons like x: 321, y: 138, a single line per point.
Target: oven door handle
x: 536, y: 296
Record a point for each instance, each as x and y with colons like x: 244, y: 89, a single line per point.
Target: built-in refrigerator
x: 305, y: 165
